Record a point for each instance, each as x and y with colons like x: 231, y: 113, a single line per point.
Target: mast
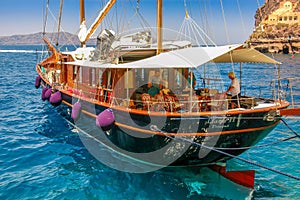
x: 159, y: 26
x: 59, y: 20
x: 82, y: 11
x: 82, y: 17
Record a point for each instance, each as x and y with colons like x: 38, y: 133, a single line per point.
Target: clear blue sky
x: 26, y: 16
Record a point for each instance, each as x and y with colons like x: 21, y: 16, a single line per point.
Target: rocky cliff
x: 269, y: 7
x: 273, y: 37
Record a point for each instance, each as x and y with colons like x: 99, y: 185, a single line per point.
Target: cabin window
x: 280, y: 18
x: 295, y: 18
x: 290, y: 18
x: 285, y: 18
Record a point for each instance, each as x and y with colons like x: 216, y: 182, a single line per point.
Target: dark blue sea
x: 42, y: 156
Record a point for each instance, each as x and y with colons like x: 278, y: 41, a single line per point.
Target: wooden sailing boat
x: 108, y: 91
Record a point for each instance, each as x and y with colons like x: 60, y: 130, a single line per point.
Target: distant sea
x: 42, y: 156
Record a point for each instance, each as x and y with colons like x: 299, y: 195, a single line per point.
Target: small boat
x: 112, y: 96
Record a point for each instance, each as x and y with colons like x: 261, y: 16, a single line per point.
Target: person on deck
x: 155, y: 84
x: 234, y: 89
x: 191, y: 79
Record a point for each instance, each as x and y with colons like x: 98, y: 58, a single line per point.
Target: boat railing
x: 51, y: 74
x: 165, y: 103
x: 196, y: 105
x: 287, y: 89
x: 92, y: 93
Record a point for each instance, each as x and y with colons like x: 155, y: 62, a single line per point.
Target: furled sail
x: 85, y: 35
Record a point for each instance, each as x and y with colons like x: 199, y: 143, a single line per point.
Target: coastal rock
x: 277, y: 27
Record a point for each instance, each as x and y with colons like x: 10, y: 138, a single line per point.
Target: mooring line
x: 229, y: 155
x: 258, y: 146
x: 155, y: 128
x: 269, y: 144
x: 285, y: 123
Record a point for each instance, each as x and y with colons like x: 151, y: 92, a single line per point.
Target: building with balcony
x: 285, y: 14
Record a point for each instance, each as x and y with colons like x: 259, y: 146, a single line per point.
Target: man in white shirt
x: 234, y: 89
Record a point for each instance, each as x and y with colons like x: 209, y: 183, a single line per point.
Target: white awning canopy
x: 242, y: 55
x: 182, y: 58
x: 189, y: 58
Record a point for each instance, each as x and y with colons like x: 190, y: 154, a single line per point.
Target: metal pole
x: 279, y: 85
x: 241, y: 76
x: 291, y: 92
x: 191, y: 90
x: 127, y: 89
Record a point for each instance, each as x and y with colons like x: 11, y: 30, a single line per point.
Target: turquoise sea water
x: 42, y: 157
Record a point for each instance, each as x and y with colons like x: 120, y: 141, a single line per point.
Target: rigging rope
x: 272, y: 54
x: 44, y: 27
x: 69, y: 39
x: 203, y: 14
x: 142, y: 21
x: 227, y: 34
x: 241, y: 15
x: 225, y: 23
x: 46, y: 18
x: 190, y: 30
